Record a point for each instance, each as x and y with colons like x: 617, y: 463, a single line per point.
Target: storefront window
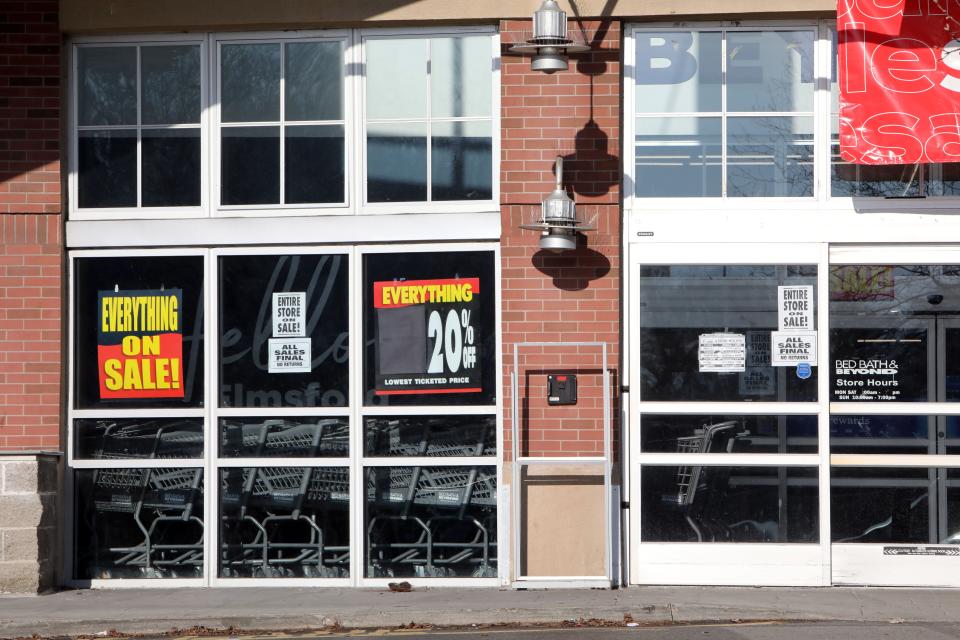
x: 429, y: 119
x: 146, y: 96
x: 282, y: 146
x: 706, y: 333
x: 728, y: 434
x: 705, y: 132
x: 284, y: 330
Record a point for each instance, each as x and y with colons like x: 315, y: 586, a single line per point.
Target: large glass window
x: 138, y: 133
x: 429, y: 119
x: 282, y: 123
x: 723, y: 112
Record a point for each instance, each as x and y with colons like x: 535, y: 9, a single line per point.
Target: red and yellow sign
x: 140, y: 344
x: 403, y: 293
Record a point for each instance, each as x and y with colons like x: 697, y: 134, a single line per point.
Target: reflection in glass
x: 282, y: 522
x: 770, y: 157
x: 397, y: 80
x: 883, y: 434
x: 107, y: 162
x: 170, y: 167
x: 313, y: 81
x: 396, y: 162
x: 460, y: 72
x: 314, y: 165
x: 698, y: 503
x: 247, y: 284
x: 250, y: 165
x: 893, y: 505
x: 284, y: 437
x: 249, y: 82
x: 431, y: 522
x: 728, y: 434
x: 170, y: 93
x: 134, y: 438
x: 871, y: 181
x: 770, y: 70
x: 682, y: 302
x: 106, y: 86
x: 431, y: 436
x: 462, y: 161
x: 678, y: 71
x: 138, y: 523
x: 678, y: 157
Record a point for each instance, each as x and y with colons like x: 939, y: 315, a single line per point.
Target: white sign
x: 792, y: 347
x: 289, y: 313
x: 795, y: 308
x: 289, y: 355
x: 722, y: 352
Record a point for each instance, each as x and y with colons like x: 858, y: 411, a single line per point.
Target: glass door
x: 727, y: 409
x: 895, y: 504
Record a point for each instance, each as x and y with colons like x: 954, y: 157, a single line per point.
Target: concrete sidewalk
x: 262, y: 608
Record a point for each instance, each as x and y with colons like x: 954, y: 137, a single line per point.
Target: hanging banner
x: 140, y: 344
x: 426, y: 334
x: 899, y: 77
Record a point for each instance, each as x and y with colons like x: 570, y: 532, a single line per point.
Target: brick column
x: 569, y: 296
x: 30, y: 225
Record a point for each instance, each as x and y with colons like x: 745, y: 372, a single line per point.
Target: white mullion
x: 900, y: 460
x: 729, y: 408
x: 119, y: 414
x: 823, y: 417
x: 429, y: 121
x: 731, y: 459
x: 139, y: 463
x: 723, y: 116
x: 426, y: 461
x: 283, y: 118
x: 211, y: 440
x: 261, y: 462
x: 357, y: 537
x: 424, y: 410
x: 139, y: 95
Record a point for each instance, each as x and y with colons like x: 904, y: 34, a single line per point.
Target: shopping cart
x: 277, y: 438
x: 692, y: 480
x: 435, y: 440
x: 281, y: 505
x: 428, y: 507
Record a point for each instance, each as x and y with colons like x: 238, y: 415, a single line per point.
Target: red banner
x: 899, y: 76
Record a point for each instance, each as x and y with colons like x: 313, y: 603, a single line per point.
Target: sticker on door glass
x: 289, y: 312
x: 289, y: 355
x: 427, y: 336
x: 789, y: 348
x: 722, y: 353
x: 140, y: 344
x: 795, y: 307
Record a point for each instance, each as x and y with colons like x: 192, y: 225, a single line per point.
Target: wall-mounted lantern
x: 558, y: 222
x: 549, y: 43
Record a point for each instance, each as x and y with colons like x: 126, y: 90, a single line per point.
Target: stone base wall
x: 30, y: 556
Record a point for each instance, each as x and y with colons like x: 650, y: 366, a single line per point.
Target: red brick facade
x: 571, y: 296
x: 30, y: 226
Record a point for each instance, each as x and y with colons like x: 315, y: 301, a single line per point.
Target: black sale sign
x: 427, y: 336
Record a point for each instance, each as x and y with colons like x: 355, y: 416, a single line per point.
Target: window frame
x: 74, y: 211
x: 822, y: 202
x: 281, y: 38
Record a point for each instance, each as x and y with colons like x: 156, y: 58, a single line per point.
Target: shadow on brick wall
x: 572, y: 270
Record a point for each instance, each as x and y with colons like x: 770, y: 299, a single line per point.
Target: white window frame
x: 281, y: 38
x: 355, y: 411
x: 72, y: 164
x: 834, y: 217
x: 449, y: 206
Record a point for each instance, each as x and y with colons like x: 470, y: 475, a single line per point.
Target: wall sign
x: 722, y: 353
x: 289, y: 313
x: 140, y: 344
x: 899, y: 76
x: 795, y: 308
x: 427, y: 334
x: 289, y: 355
x: 790, y: 348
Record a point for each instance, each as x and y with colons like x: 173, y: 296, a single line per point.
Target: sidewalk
x: 265, y: 608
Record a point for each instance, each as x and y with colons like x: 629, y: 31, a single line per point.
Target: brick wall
x: 30, y: 225
x: 572, y: 295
